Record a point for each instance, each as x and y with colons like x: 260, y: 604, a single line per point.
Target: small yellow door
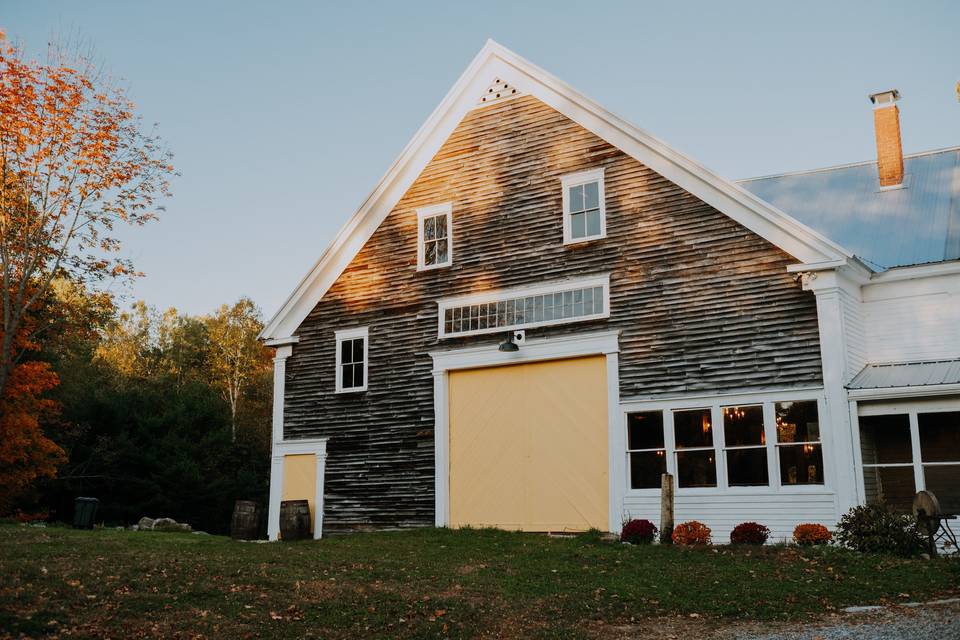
x: 528, y: 446
x: 300, y: 480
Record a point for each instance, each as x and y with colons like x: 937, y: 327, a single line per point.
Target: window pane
x: 940, y: 437
x: 577, y: 225
x: 346, y: 381
x: 801, y: 464
x: 743, y: 426
x: 885, y: 439
x: 944, y: 482
x: 593, y: 223
x: 442, y: 252
x: 345, y: 352
x: 645, y: 430
x: 696, y: 469
x: 358, y: 375
x: 598, y: 299
x: 692, y: 428
x: 797, y: 421
x: 430, y: 253
x: 357, y: 350
x: 747, y: 467
x: 429, y: 228
x: 646, y: 468
x: 591, y: 195
x: 892, y: 485
x: 441, y: 222
x: 576, y: 198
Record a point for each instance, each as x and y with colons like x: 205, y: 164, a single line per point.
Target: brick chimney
x: 886, y: 122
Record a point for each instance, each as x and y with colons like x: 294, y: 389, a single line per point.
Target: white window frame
x: 716, y: 404
x: 576, y: 179
x: 352, y: 334
x: 912, y: 410
x: 434, y: 211
x: 600, y: 280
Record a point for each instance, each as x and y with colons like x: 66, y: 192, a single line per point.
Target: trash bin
x: 84, y: 511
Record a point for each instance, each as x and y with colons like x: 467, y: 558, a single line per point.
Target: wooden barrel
x: 294, y: 520
x: 245, y: 524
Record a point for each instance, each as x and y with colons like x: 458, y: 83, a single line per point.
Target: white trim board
x: 496, y: 61
x: 604, y: 343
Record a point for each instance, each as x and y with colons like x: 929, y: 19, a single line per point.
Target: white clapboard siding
x: 781, y: 512
x: 855, y: 335
x: 912, y: 320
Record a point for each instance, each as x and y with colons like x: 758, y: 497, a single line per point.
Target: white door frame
x: 315, y: 446
x: 604, y: 343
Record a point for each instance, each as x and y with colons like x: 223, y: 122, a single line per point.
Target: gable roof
x: 497, y: 64
x: 914, y: 225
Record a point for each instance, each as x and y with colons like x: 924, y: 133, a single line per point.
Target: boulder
x: 145, y: 524
x: 169, y: 524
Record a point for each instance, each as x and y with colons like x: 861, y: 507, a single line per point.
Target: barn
x: 541, y: 308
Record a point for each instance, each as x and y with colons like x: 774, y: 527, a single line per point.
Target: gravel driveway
x: 927, y: 622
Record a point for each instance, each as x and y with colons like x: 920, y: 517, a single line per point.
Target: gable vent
x: 496, y: 92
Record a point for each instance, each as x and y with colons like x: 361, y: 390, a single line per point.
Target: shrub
x: 807, y: 535
x: 749, y: 533
x: 638, y: 532
x: 691, y: 533
x: 876, y: 529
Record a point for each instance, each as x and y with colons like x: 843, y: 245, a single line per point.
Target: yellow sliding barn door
x: 528, y: 446
x: 300, y: 480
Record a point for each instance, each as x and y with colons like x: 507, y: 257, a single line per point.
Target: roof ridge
x: 847, y: 165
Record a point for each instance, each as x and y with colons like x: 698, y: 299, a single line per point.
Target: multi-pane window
x: 434, y: 237
x: 584, y: 209
x: 696, y: 457
x: 760, y: 444
x: 575, y: 301
x: 909, y: 452
x: 351, y: 372
x: 646, y: 450
x: 745, y: 443
x: 798, y: 443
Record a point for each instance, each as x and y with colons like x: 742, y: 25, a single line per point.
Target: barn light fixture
x: 508, y: 345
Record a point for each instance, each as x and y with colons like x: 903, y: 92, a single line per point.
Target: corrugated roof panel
x: 907, y: 374
x: 917, y: 224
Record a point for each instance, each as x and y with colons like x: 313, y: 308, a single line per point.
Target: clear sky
x: 283, y: 115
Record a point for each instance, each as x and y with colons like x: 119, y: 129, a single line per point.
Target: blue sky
x: 283, y: 115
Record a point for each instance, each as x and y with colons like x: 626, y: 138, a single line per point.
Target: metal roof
x: 917, y: 224
x: 907, y: 374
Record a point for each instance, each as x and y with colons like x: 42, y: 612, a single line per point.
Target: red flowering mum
x: 638, y: 532
x: 749, y: 533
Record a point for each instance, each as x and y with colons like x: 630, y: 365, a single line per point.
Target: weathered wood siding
x: 703, y: 303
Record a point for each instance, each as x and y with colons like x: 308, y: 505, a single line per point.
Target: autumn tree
x: 75, y: 162
x: 236, y: 355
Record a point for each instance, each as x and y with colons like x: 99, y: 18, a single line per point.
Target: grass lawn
x: 425, y: 583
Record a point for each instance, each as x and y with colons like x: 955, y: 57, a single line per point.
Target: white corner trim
x: 555, y: 286
x: 534, y: 350
x: 315, y: 446
x: 494, y: 60
x: 350, y: 334
x: 445, y: 209
x: 576, y: 179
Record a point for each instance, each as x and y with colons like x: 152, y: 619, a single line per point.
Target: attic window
x: 584, y: 209
x: 434, y: 237
x: 574, y: 300
x: 352, y: 353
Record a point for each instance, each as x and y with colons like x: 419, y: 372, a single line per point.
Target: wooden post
x: 666, y: 509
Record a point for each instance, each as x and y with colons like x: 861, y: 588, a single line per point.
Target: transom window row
x: 511, y: 313
x: 754, y: 445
